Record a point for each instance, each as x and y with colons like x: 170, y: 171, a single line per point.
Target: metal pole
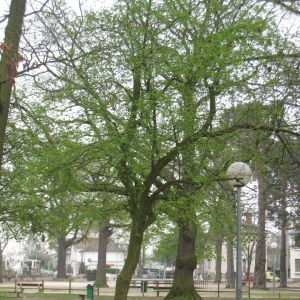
x: 239, y: 295
x: 273, y: 271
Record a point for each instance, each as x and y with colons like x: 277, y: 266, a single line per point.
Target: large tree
x: 143, y: 86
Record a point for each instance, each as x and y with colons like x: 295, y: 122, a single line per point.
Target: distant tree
x: 105, y: 231
x: 230, y: 278
x: 82, y: 268
x: 284, y: 193
x: 165, y: 249
x: 5, y: 236
x: 249, y: 239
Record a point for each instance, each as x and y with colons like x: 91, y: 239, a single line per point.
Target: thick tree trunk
x: 230, y: 279
x: 133, y: 254
x: 9, y: 62
x: 186, y: 261
x: 62, y: 256
x: 104, y: 233
x: 260, y: 254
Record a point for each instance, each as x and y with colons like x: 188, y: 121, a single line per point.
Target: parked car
x: 48, y: 272
x: 269, y: 277
x: 251, y: 278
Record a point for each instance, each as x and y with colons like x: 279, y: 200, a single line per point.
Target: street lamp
x: 238, y: 174
x: 273, y: 246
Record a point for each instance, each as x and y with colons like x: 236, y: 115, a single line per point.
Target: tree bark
x: 104, y: 233
x: 260, y: 255
x: 249, y: 258
x: 218, y: 260
x: 230, y: 279
x: 1, y: 263
x: 61, y: 260
x: 283, y: 250
x: 9, y: 62
x: 283, y: 266
x: 134, y: 249
x: 186, y: 262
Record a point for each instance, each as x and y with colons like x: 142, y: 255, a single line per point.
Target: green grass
x: 64, y: 296
x: 264, y: 294
x: 37, y: 296
x: 283, y: 296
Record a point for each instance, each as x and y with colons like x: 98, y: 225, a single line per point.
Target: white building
x: 294, y: 239
x: 87, y: 253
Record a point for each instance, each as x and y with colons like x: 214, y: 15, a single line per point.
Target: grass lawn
x: 264, y: 294
x: 9, y: 296
x: 64, y: 296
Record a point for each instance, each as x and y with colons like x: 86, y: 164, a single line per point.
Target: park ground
x: 58, y: 290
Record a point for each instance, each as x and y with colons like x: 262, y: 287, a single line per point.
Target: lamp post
x: 273, y: 246
x: 238, y: 174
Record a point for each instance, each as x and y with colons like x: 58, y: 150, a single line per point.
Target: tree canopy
x: 147, y: 103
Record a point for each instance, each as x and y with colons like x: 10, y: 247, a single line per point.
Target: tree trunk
x: 134, y: 249
x: 249, y: 258
x: 1, y: 263
x: 260, y: 255
x: 283, y: 266
x: 283, y: 250
x: 230, y: 279
x: 186, y: 262
x: 9, y: 62
x: 218, y: 260
x: 104, y: 233
x: 62, y: 256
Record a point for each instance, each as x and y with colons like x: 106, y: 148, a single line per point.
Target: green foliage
x: 142, y: 109
x: 165, y: 250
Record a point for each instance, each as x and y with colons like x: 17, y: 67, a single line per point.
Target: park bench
x: 159, y: 285
x: 163, y: 285
x: 81, y: 296
x: 161, y: 288
x: 21, y: 286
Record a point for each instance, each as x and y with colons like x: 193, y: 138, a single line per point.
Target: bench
x: 159, y: 285
x: 29, y: 285
x: 81, y: 296
x: 162, y: 288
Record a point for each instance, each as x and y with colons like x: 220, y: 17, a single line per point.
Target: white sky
x: 94, y: 4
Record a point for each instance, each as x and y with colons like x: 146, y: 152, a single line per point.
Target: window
x: 297, y: 240
x: 297, y: 265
